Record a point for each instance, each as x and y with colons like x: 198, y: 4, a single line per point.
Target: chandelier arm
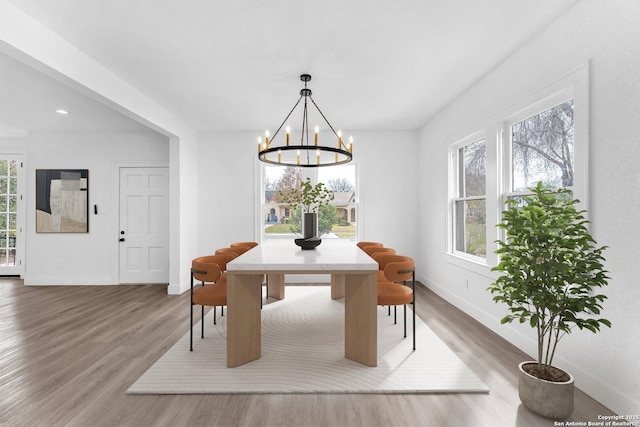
x: 305, y: 123
x: 325, y: 119
x: 285, y: 119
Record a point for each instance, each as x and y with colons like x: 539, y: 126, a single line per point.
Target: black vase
x: 310, y: 225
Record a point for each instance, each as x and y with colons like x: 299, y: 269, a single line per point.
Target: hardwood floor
x: 69, y: 353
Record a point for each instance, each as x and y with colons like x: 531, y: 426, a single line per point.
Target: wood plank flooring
x: 69, y: 353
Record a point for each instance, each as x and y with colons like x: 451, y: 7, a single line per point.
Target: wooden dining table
x: 353, y: 276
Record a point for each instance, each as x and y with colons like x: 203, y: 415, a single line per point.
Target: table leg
x: 361, y: 322
x: 276, y: 286
x: 337, y: 286
x: 243, y: 318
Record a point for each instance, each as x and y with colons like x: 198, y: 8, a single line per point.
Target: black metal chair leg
x: 405, y: 320
x: 413, y: 303
x: 222, y: 310
x: 215, y: 321
x: 389, y: 313
x: 191, y: 331
x: 414, y: 322
x: 395, y: 314
x: 202, y: 322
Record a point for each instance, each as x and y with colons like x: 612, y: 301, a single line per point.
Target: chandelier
x: 305, y: 153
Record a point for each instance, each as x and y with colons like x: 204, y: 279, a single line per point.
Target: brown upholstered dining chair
x: 363, y: 244
x: 238, y: 250
x: 235, y: 250
x: 398, y: 268
x: 246, y: 244
x: 212, y: 290
x: 376, y: 252
x: 372, y: 250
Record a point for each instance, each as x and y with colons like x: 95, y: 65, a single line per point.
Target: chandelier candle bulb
x: 315, y: 138
x: 318, y: 156
x: 350, y: 148
x: 279, y: 156
x: 339, y: 139
x: 288, y: 132
x: 298, y: 155
x: 259, y: 144
x: 266, y: 138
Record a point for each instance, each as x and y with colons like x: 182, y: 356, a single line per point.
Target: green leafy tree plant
x: 551, y: 268
x: 309, y: 197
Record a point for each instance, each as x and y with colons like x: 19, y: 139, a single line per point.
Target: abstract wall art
x: 62, y: 200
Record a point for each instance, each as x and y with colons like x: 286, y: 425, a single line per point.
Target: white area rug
x: 303, y: 352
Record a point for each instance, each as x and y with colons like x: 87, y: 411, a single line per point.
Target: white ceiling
x: 235, y: 64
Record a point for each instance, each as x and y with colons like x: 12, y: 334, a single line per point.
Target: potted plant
x: 309, y: 198
x: 551, y: 268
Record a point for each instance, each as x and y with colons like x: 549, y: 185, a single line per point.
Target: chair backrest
x: 396, y: 267
x: 236, y: 250
x: 223, y: 259
x: 373, y: 250
x: 363, y: 244
x: 246, y: 244
x: 206, y: 268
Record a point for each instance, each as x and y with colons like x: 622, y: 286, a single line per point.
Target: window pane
x: 470, y: 221
x: 473, y: 175
x: 542, y: 149
x: 278, y: 219
x: 339, y: 220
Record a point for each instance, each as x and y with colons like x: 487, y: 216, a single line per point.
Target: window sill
x: 474, y: 264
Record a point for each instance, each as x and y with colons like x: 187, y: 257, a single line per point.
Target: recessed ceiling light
x: 61, y: 111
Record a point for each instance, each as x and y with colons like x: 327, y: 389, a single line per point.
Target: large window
x: 469, y: 203
x: 540, y: 138
x: 337, y: 220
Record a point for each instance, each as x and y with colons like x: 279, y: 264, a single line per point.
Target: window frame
x: 311, y: 173
x: 455, y: 169
x: 495, y: 129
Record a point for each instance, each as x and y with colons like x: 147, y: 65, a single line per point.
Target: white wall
x: 605, y: 34
x: 228, y: 170
x: 82, y: 258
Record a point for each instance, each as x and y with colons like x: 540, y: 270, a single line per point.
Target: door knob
x: 122, y: 239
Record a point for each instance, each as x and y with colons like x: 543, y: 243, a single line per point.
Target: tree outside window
x: 542, y: 149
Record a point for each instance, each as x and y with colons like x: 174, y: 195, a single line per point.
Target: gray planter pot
x: 546, y: 398
x: 309, y: 225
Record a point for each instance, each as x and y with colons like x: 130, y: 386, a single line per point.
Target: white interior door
x: 144, y: 225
